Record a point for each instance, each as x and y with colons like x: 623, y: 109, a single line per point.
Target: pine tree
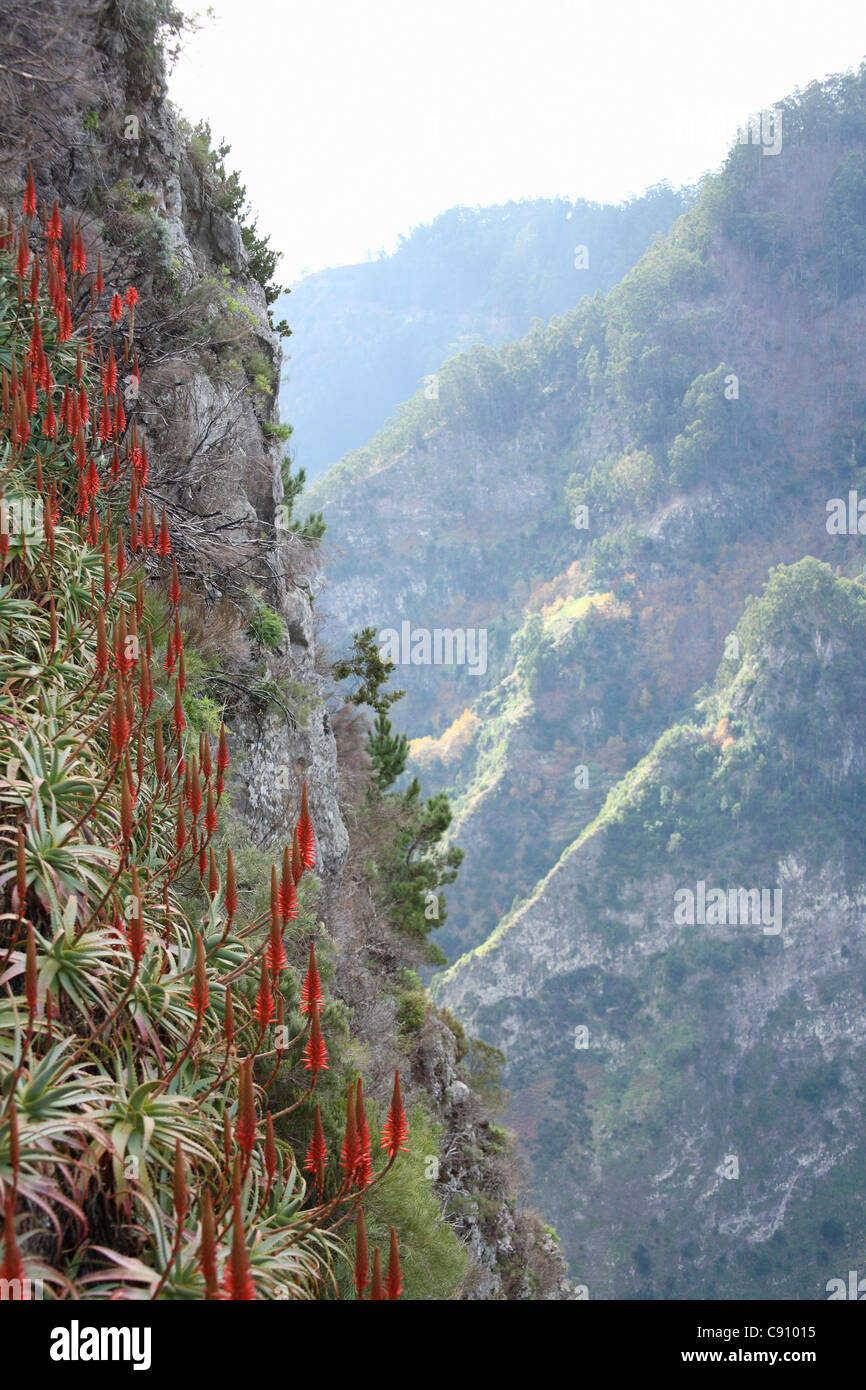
x: 388, y: 751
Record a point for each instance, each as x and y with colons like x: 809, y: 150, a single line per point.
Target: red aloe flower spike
x: 222, y: 751
x: 92, y: 479
x: 231, y: 890
x: 136, y: 924
x: 55, y: 227
x: 92, y: 526
x: 163, y: 544
x: 120, y: 662
x: 31, y: 972
x: 270, y: 1149
x: 180, y: 825
x: 125, y: 809
x: 238, y: 1281
x: 311, y: 991
x: 35, y: 277
x: 394, y: 1278
x: 12, y: 1266
x: 207, y: 1248
x: 350, y: 1152
x: 174, y: 590
x: 276, y: 952
x: 245, y: 1125
x: 210, y: 815
x: 179, y: 1183
x: 130, y: 299
x: 264, y: 1006
x: 204, y: 755
x: 306, y: 839
x: 158, y: 750
x: 29, y: 390
x: 395, y: 1131
x: 115, y: 310
x: 34, y: 351
x: 119, y: 732
x: 178, y: 720
x: 100, y: 282
x: 317, y: 1153
x: 78, y: 255
x: 376, y: 1290
x: 200, y: 990
x: 23, y: 259
x: 102, y: 657
x: 145, y: 688
x: 362, y: 1259
x: 28, y: 205
x: 297, y: 862
x: 315, y: 1053
x: 364, y: 1171
x: 195, y: 799
x: 288, y: 901
x: 110, y: 382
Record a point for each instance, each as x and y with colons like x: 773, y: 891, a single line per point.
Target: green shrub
x: 267, y: 626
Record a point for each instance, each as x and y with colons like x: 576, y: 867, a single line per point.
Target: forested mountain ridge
x: 602, y: 498
x: 367, y: 335
x: 475, y: 498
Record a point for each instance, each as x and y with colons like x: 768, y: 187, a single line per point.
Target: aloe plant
x: 130, y: 1022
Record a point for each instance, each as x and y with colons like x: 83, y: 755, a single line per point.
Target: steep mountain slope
x: 600, y: 499
x: 691, y: 1083
x: 673, y: 413
x: 365, y: 336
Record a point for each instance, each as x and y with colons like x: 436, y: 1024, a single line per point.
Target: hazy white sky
x: 351, y: 121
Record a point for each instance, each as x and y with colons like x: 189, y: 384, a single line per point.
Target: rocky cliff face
x: 154, y: 207
x: 118, y: 161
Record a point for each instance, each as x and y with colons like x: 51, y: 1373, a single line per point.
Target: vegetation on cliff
x: 148, y: 1017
